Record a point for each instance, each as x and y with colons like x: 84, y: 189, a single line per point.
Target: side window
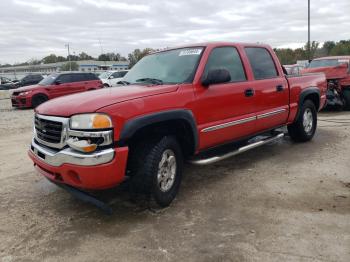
x: 79, y: 77
x: 261, y: 62
x: 65, y: 78
x: 91, y: 76
x: 229, y: 59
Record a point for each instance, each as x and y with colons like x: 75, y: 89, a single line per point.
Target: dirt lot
x: 280, y: 202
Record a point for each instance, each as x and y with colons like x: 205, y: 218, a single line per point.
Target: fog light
x: 81, y: 145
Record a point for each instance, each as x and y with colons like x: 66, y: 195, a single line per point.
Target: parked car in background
x: 6, y: 83
x: 293, y: 69
x: 53, y: 86
x: 176, y: 104
x: 337, y: 71
x: 111, y: 78
x: 30, y: 79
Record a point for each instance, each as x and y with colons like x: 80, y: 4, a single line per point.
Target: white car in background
x: 111, y: 78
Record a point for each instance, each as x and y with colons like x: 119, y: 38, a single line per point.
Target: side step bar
x: 238, y: 151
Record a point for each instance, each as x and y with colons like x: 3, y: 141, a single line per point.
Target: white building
x: 84, y: 66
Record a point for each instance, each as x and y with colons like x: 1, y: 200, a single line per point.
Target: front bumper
x: 94, y: 171
x: 21, y: 101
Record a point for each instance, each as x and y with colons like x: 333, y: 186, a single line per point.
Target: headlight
x: 25, y: 93
x: 90, y: 121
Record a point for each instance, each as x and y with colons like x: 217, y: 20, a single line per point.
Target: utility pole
x: 70, y: 64
x: 308, y: 30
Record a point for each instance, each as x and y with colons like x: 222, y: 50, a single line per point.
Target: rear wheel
x: 156, y: 170
x: 38, y: 100
x: 304, y: 128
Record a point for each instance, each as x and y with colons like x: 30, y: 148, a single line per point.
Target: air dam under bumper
x: 95, y: 171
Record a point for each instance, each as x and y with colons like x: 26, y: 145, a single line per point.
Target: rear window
x: 261, y: 62
x: 326, y: 63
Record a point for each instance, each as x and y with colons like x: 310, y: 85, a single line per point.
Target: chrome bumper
x: 69, y: 156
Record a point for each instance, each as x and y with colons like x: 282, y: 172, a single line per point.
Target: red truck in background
x: 186, y: 103
x: 52, y: 86
x: 337, y: 71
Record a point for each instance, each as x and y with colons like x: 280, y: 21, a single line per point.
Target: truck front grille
x: 48, y: 130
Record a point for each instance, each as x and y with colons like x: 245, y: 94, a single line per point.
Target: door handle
x: 249, y: 92
x: 279, y: 88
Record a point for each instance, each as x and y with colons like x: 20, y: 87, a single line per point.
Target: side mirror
x: 111, y: 77
x: 58, y: 82
x: 216, y: 76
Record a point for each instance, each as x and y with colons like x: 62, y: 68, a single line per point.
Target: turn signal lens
x: 101, y: 121
x: 81, y: 145
x: 89, y: 148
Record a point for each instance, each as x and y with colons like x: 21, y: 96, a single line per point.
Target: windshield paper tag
x: 190, y: 52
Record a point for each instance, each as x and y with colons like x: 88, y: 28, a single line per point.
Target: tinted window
x: 49, y: 80
x: 79, y: 77
x: 226, y: 58
x: 91, y: 76
x: 65, y: 78
x: 261, y: 62
x: 119, y: 74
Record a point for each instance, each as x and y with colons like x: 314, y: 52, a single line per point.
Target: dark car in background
x: 28, y: 80
x: 52, y: 86
x: 6, y: 83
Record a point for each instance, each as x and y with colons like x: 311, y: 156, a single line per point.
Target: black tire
x: 38, y: 100
x: 298, y: 131
x: 143, y: 165
x: 346, y: 96
x: 105, y: 85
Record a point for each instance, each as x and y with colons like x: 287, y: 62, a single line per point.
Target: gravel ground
x: 280, y: 202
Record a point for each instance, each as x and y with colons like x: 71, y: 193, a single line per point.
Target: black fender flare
x: 304, y: 94
x: 135, y: 124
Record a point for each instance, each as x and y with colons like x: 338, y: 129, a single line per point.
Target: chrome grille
x: 51, y: 131
x: 47, y: 130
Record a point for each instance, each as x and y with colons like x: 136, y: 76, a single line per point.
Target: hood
x: 91, y: 101
x: 331, y: 72
x: 27, y: 88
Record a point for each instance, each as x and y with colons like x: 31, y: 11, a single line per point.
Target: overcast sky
x: 36, y: 28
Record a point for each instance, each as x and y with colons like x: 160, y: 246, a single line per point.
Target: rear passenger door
x: 79, y: 83
x: 270, y: 87
x: 223, y: 111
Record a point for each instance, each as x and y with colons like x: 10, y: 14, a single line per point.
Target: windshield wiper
x: 122, y: 82
x: 150, y: 80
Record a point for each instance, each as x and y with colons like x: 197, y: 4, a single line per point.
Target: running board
x: 238, y: 151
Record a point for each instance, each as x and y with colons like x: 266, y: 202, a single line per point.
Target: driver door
x: 225, y: 111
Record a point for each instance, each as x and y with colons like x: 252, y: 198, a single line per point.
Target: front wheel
x: 156, y: 169
x: 304, y: 128
x: 38, y: 100
x: 346, y: 97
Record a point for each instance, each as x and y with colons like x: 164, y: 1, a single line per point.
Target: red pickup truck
x: 54, y: 85
x: 337, y: 71
x: 186, y: 103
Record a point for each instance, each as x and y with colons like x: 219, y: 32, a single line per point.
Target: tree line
x: 286, y: 55
x: 329, y: 48
x: 132, y: 57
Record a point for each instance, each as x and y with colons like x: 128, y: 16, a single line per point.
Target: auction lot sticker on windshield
x: 192, y: 51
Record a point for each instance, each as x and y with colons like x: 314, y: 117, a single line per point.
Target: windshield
x: 49, y: 80
x: 104, y: 75
x: 324, y: 63
x: 168, y: 67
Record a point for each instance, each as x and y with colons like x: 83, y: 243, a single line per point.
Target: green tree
x: 70, y: 66
x: 61, y: 59
x: 137, y: 54
x: 328, y: 46
x: 52, y: 58
x: 85, y: 56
